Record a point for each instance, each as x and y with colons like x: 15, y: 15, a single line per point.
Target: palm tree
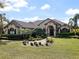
x: 73, y: 23
x: 75, y: 19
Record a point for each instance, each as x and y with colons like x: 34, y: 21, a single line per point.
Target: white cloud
x: 65, y: 19
x: 72, y: 11
x: 14, y: 5
x: 32, y: 7
x: 45, y: 7
x: 31, y: 19
x: 52, y: 17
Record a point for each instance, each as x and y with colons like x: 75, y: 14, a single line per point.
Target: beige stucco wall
x: 18, y: 30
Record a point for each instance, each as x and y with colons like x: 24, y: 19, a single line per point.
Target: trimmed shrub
x: 38, y: 32
x: 51, y: 41
x: 15, y: 36
x: 65, y: 35
x: 31, y: 44
x: 24, y: 42
x: 77, y: 33
x: 36, y: 44
x: 47, y: 44
x: 40, y: 44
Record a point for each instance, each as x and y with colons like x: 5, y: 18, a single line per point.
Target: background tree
x: 2, y: 18
x: 75, y: 19
x: 73, y: 22
x: 1, y: 24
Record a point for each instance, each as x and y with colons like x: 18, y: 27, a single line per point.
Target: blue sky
x: 32, y: 10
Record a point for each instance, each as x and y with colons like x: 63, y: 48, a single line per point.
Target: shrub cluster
x: 66, y: 34
x: 38, y: 32
x: 14, y: 36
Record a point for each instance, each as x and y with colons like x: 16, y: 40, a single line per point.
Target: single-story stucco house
x: 50, y: 26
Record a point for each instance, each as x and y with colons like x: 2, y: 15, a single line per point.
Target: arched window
x: 11, y: 31
x: 64, y: 30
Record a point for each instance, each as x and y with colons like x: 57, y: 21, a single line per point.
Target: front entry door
x: 51, y: 31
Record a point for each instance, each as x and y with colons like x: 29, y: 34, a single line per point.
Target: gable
x: 44, y: 21
x: 22, y: 24
x: 53, y: 20
x: 13, y: 23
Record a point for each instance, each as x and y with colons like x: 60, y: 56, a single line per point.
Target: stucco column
x: 46, y: 29
x: 59, y: 30
x: 48, y: 32
x: 55, y: 32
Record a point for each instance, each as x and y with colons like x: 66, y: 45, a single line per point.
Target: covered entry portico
x: 51, y: 29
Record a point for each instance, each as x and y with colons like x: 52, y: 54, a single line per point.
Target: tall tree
x: 73, y: 22
x: 1, y: 24
x: 2, y: 18
x: 75, y: 19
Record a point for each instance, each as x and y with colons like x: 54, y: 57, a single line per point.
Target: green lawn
x: 61, y: 49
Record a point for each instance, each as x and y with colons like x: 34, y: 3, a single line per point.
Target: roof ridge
x: 44, y: 20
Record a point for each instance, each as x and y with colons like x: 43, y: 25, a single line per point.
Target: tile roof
x: 34, y: 24
x: 26, y: 24
x: 54, y: 20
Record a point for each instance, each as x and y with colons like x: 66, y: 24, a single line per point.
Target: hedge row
x: 14, y: 36
x: 68, y: 34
